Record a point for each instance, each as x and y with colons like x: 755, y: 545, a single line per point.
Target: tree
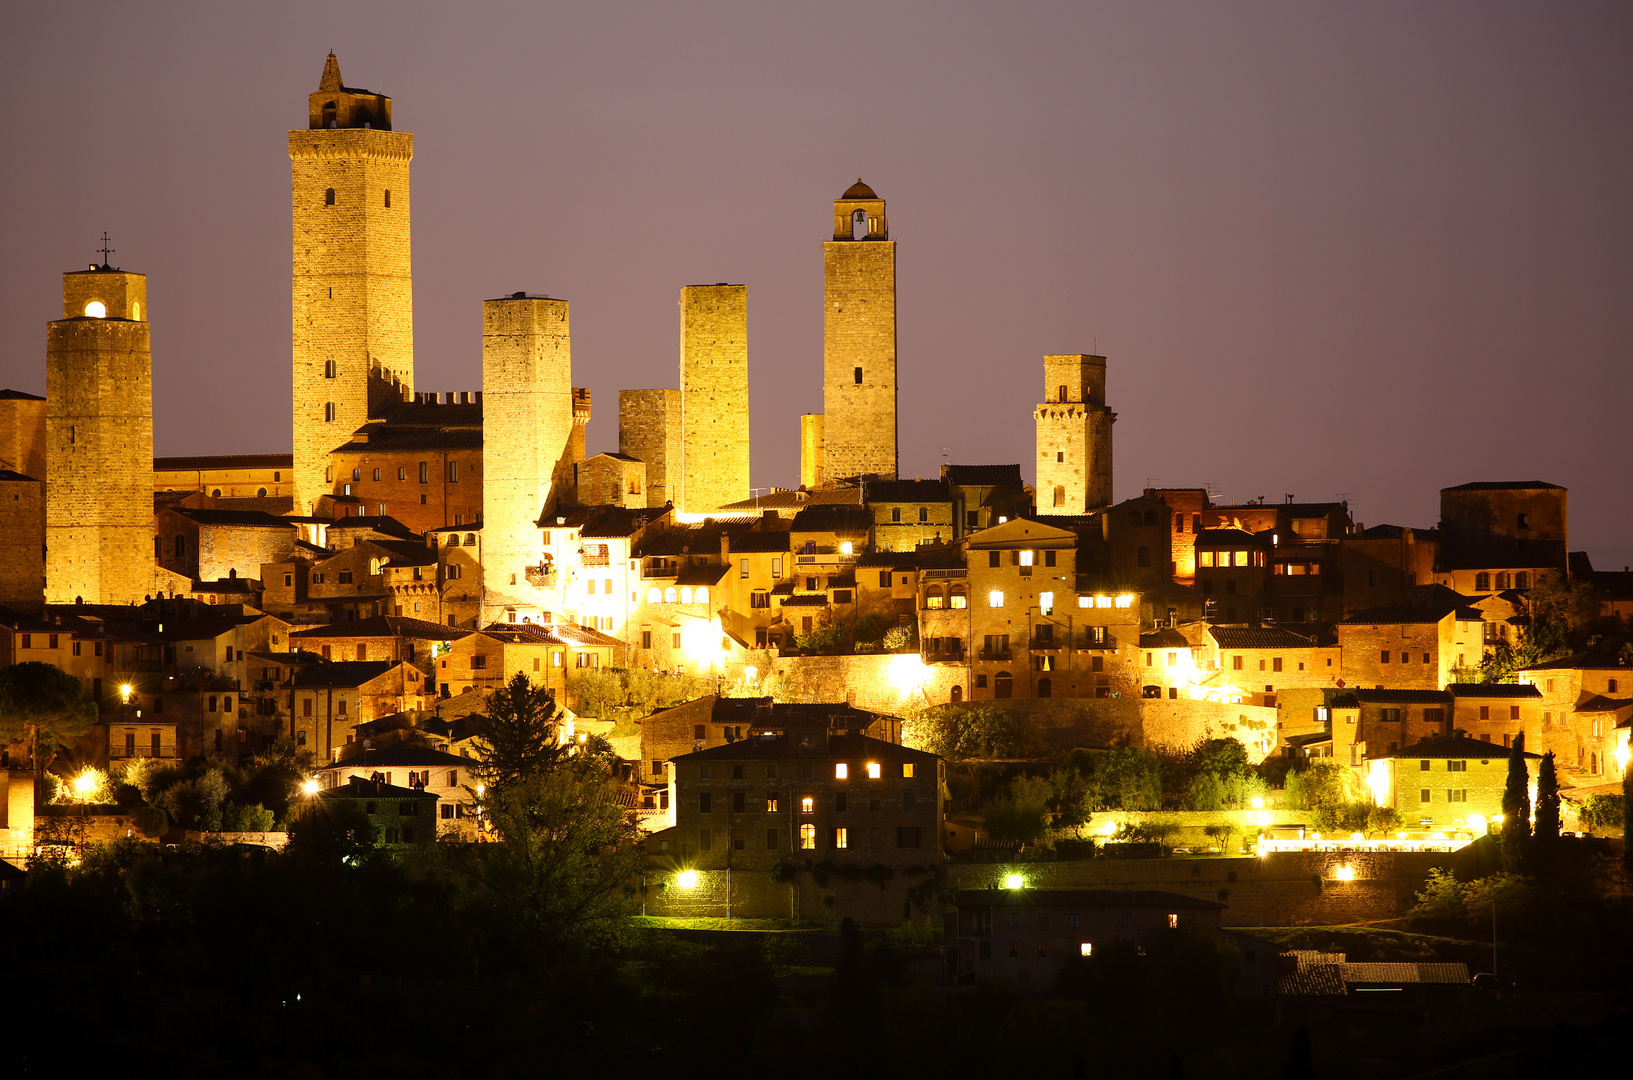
x: 1560, y: 613
x: 523, y: 733
x: 561, y: 875
x: 1627, y: 819
x: 1130, y: 779
x: 1516, y: 810
x: 334, y: 833
x: 593, y: 689
x: 46, y: 703
x: 1545, y: 844
x: 1601, y: 811
x: 1021, y: 814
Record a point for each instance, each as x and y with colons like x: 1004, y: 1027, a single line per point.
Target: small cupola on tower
x: 338, y: 106
x: 859, y: 214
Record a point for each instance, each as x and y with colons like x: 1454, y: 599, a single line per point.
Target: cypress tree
x: 1545, y: 843
x: 1517, y: 811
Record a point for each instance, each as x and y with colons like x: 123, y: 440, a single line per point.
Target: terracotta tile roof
x: 759, y: 542
x: 982, y: 475
x: 789, y: 499
x: 248, y: 519
x: 1454, y: 746
x: 1320, y: 980
x: 1379, y: 695
x: 339, y: 674
x: 1258, y: 637
x: 383, y: 626
x: 1493, y: 690
x: 906, y: 491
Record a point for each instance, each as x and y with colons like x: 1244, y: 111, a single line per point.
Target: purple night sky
x: 1373, y: 249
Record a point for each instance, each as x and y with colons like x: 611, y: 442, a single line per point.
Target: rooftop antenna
x: 105, y: 249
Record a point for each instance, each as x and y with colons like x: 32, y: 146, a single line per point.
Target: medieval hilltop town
x: 356, y: 601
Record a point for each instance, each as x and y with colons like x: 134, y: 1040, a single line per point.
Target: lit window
x: 1086, y: 949
x: 841, y: 770
x: 1173, y: 922
x: 1026, y: 558
x: 96, y: 309
x: 1085, y: 601
x: 1046, y: 603
x: 873, y: 770
x: 807, y: 837
x: 1102, y: 601
x: 654, y: 595
x: 842, y: 837
x: 1125, y: 601
x: 995, y: 598
x: 686, y: 594
x: 669, y: 595
x: 907, y: 770
x: 846, y: 548
x: 958, y: 601
x: 807, y: 804
x: 702, y: 595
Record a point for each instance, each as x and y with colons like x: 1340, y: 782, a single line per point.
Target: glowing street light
x: 1014, y: 881
x: 1344, y: 873
x: 1258, y: 803
x: 686, y: 879
x: 124, y: 692
x: 85, y: 783
x: 310, y: 787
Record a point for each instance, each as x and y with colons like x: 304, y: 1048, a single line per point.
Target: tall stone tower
x: 99, y: 441
x: 1074, y: 435
x: 649, y: 429
x: 713, y: 396
x: 527, y: 432
x: 859, y: 339
x: 810, y: 450
x: 353, y: 278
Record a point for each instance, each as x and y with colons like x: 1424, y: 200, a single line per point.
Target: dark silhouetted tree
x: 522, y: 736
x: 1545, y: 843
x: 1517, y: 811
x: 45, y: 704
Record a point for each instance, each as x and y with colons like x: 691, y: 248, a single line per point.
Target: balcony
x: 994, y: 654
x: 127, y: 753
x: 595, y: 560
x: 951, y: 652
x: 541, y: 577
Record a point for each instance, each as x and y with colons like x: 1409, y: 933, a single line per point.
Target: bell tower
x: 99, y: 441
x: 859, y: 340
x: 1074, y: 435
x: 353, y: 302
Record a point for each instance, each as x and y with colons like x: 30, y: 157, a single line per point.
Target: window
x: 1383, y: 656
x: 1482, y: 582
x: 1046, y: 604
x: 388, y: 198
x: 873, y: 770
x: 329, y: 411
x: 807, y: 837
x: 807, y: 804
x: 842, y: 770
x: 924, y: 514
x: 1485, y: 712
x: 1457, y: 795
x: 858, y: 376
x: 995, y: 558
x: 842, y: 837
x: 1425, y: 795
x: 1173, y: 921
x: 1060, y: 494
x: 705, y: 802
x: 453, y: 472
x: 329, y: 195
x: 1457, y: 766
x: 956, y: 598
x: 995, y: 598
x: 425, y: 472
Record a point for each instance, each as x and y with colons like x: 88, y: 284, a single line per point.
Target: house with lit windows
x: 1022, y: 590
x: 483, y: 661
x: 806, y: 794
x: 328, y: 701
x: 1024, y: 936
x: 907, y: 513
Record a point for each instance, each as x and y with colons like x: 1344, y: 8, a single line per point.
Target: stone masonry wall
x: 649, y: 429
x: 714, y: 396
x: 859, y: 334
x: 811, y: 446
x: 22, y: 436
x: 352, y: 288
x: 22, y: 544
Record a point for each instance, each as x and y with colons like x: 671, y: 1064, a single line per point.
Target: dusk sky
x: 1368, y: 250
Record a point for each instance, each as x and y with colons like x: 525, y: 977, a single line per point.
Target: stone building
x: 22, y: 433
x: 610, y: 480
x: 403, y: 818
x: 649, y: 432
x: 1442, y: 783
x: 1188, y: 507
x: 22, y: 540
x: 208, y: 544
x: 713, y: 721
x: 1409, y: 647
x: 1381, y: 565
x: 353, y: 298
x: 713, y: 397
x: 811, y: 435
x: 907, y: 513
x: 1262, y: 663
x: 1022, y: 590
x: 328, y: 701
x: 421, y: 463
x: 1074, y: 435
x: 859, y: 340
x: 230, y: 476
x: 99, y: 441
x: 1495, y: 712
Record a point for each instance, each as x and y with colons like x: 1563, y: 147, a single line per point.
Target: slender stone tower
x: 1074, y: 435
x: 859, y: 340
x: 713, y: 396
x: 99, y: 441
x: 353, y: 277
x: 810, y: 450
x: 527, y: 432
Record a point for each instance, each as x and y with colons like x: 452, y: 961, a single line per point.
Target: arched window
x: 957, y: 695
x: 1142, y: 555
x: 374, y: 566
x: 1046, y: 688
x: 1060, y: 494
x: 654, y: 595
x: 260, y: 493
x: 357, y: 475
x: 329, y: 122
x: 329, y: 197
x: 470, y: 539
x: 933, y: 597
x: 453, y: 539
x: 1150, y: 517
x: 1593, y: 763
x: 388, y: 198
x: 1062, y: 393
x: 702, y: 595
x: 686, y: 594
x: 1522, y: 580
x: 181, y: 547
x: 669, y: 595
x: 277, y: 477
x: 1482, y: 582
x: 1502, y: 580
x: 1003, y: 685
x: 958, y: 597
